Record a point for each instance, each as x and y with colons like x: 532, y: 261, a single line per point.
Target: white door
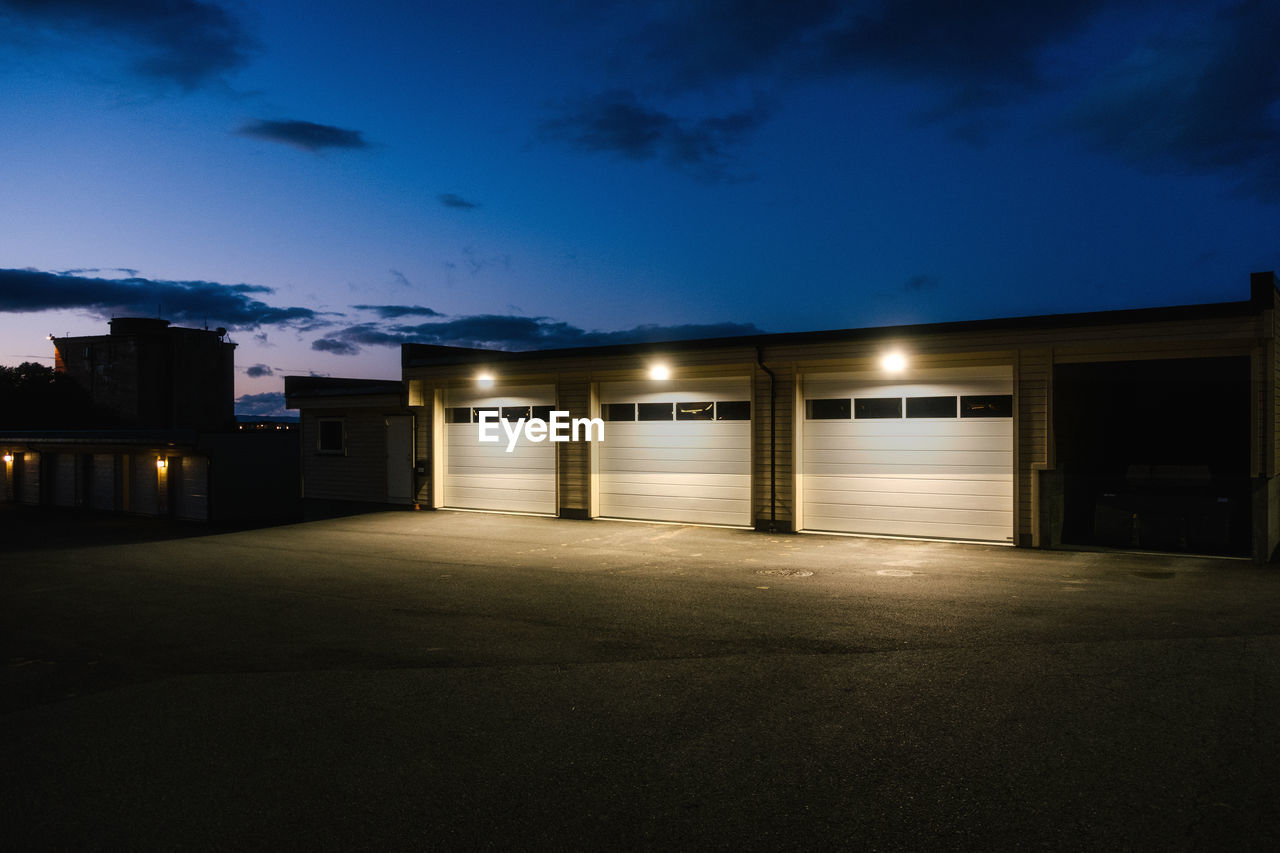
x: 928, y: 456
x: 399, y: 459
x: 676, y: 451
x: 482, y: 475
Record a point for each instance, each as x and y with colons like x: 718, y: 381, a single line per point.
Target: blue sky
x: 328, y: 180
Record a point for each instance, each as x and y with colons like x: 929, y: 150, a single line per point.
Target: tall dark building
x: 152, y: 375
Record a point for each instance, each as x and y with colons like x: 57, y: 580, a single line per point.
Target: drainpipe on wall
x: 773, y: 444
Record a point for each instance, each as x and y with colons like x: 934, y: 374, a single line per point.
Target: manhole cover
x: 894, y: 573
x: 786, y: 573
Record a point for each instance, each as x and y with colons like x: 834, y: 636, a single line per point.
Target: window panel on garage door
x: 929, y: 467
x: 686, y: 455
x: 484, y: 475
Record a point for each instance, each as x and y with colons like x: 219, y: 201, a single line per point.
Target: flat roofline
x: 425, y: 355
x: 308, y: 387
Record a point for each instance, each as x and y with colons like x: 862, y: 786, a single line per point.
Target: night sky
x: 327, y: 180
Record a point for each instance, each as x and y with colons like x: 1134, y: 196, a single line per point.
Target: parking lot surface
x: 451, y: 680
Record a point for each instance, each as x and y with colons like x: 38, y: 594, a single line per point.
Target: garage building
x: 1149, y: 429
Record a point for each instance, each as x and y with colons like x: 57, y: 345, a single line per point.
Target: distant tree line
x: 33, y: 396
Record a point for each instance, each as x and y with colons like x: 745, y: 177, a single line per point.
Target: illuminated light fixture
x: 160, y: 463
x: 659, y: 371
x: 484, y: 379
x: 893, y: 362
x: 8, y: 457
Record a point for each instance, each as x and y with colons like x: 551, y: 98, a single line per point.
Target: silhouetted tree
x: 33, y: 396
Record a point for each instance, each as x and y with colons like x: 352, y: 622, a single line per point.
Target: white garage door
x: 484, y: 475
x: 676, y: 453
x: 928, y: 456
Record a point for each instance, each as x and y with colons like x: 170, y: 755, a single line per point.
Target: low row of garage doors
x: 929, y: 456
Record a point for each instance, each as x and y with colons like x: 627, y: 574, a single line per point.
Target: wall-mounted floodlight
x: 8, y: 457
x: 893, y: 362
x: 160, y: 463
x: 484, y: 379
x: 659, y: 371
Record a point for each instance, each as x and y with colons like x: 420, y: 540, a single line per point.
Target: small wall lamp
x: 893, y: 362
x: 8, y: 457
x: 160, y: 463
x: 659, y: 371
x: 484, y: 379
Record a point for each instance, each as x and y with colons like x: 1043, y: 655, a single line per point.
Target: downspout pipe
x: 773, y: 443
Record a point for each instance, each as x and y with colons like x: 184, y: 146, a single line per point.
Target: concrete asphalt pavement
x: 461, y: 681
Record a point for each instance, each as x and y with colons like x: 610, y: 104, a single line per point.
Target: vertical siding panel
x: 1034, y: 377
x: 784, y: 396
x: 573, y: 458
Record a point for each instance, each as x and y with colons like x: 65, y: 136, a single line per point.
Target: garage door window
x: 827, y: 409
x: 695, y: 411
x: 987, y: 406
x: 457, y: 415
x: 619, y: 411
x: 877, y: 407
x: 733, y: 410
x: 931, y: 407
x: 515, y: 413
x: 654, y: 411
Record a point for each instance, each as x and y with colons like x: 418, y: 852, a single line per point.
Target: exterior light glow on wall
x: 893, y: 362
x: 160, y: 463
x: 8, y: 457
x: 484, y: 379
x: 659, y: 371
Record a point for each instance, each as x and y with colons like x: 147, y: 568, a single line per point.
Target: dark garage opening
x: 1154, y: 455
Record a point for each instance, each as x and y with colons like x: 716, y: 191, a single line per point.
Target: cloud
x: 306, y: 135
x: 390, y: 312
x: 508, y: 332
x: 132, y: 273
x: 188, y: 42
x: 918, y: 283
x: 257, y: 371
x: 235, y: 306
x: 456, y: 201
x: 617, y: 122
x: 334, y: 346
x: 400, y: 278
x: 1201, y: 101
x: 265, y: 405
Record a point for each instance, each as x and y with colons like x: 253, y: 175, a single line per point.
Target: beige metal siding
x: 573, y: 462
x: 357, y: 474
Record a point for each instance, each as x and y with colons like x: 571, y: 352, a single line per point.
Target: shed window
x: 987, y: 406
x: 827, y: 409
x: 619, y: 411
x: 332, y: 436
x: 931, y: 407
x: 457, y: 415
x: 733, y: 410
x: 695, y: 411
x: 877, y: 407
x: 654, y: 411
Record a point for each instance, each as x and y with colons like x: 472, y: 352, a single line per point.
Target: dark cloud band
x: 306, y: 135
x: 497, y: 331
x: 235, y: 306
